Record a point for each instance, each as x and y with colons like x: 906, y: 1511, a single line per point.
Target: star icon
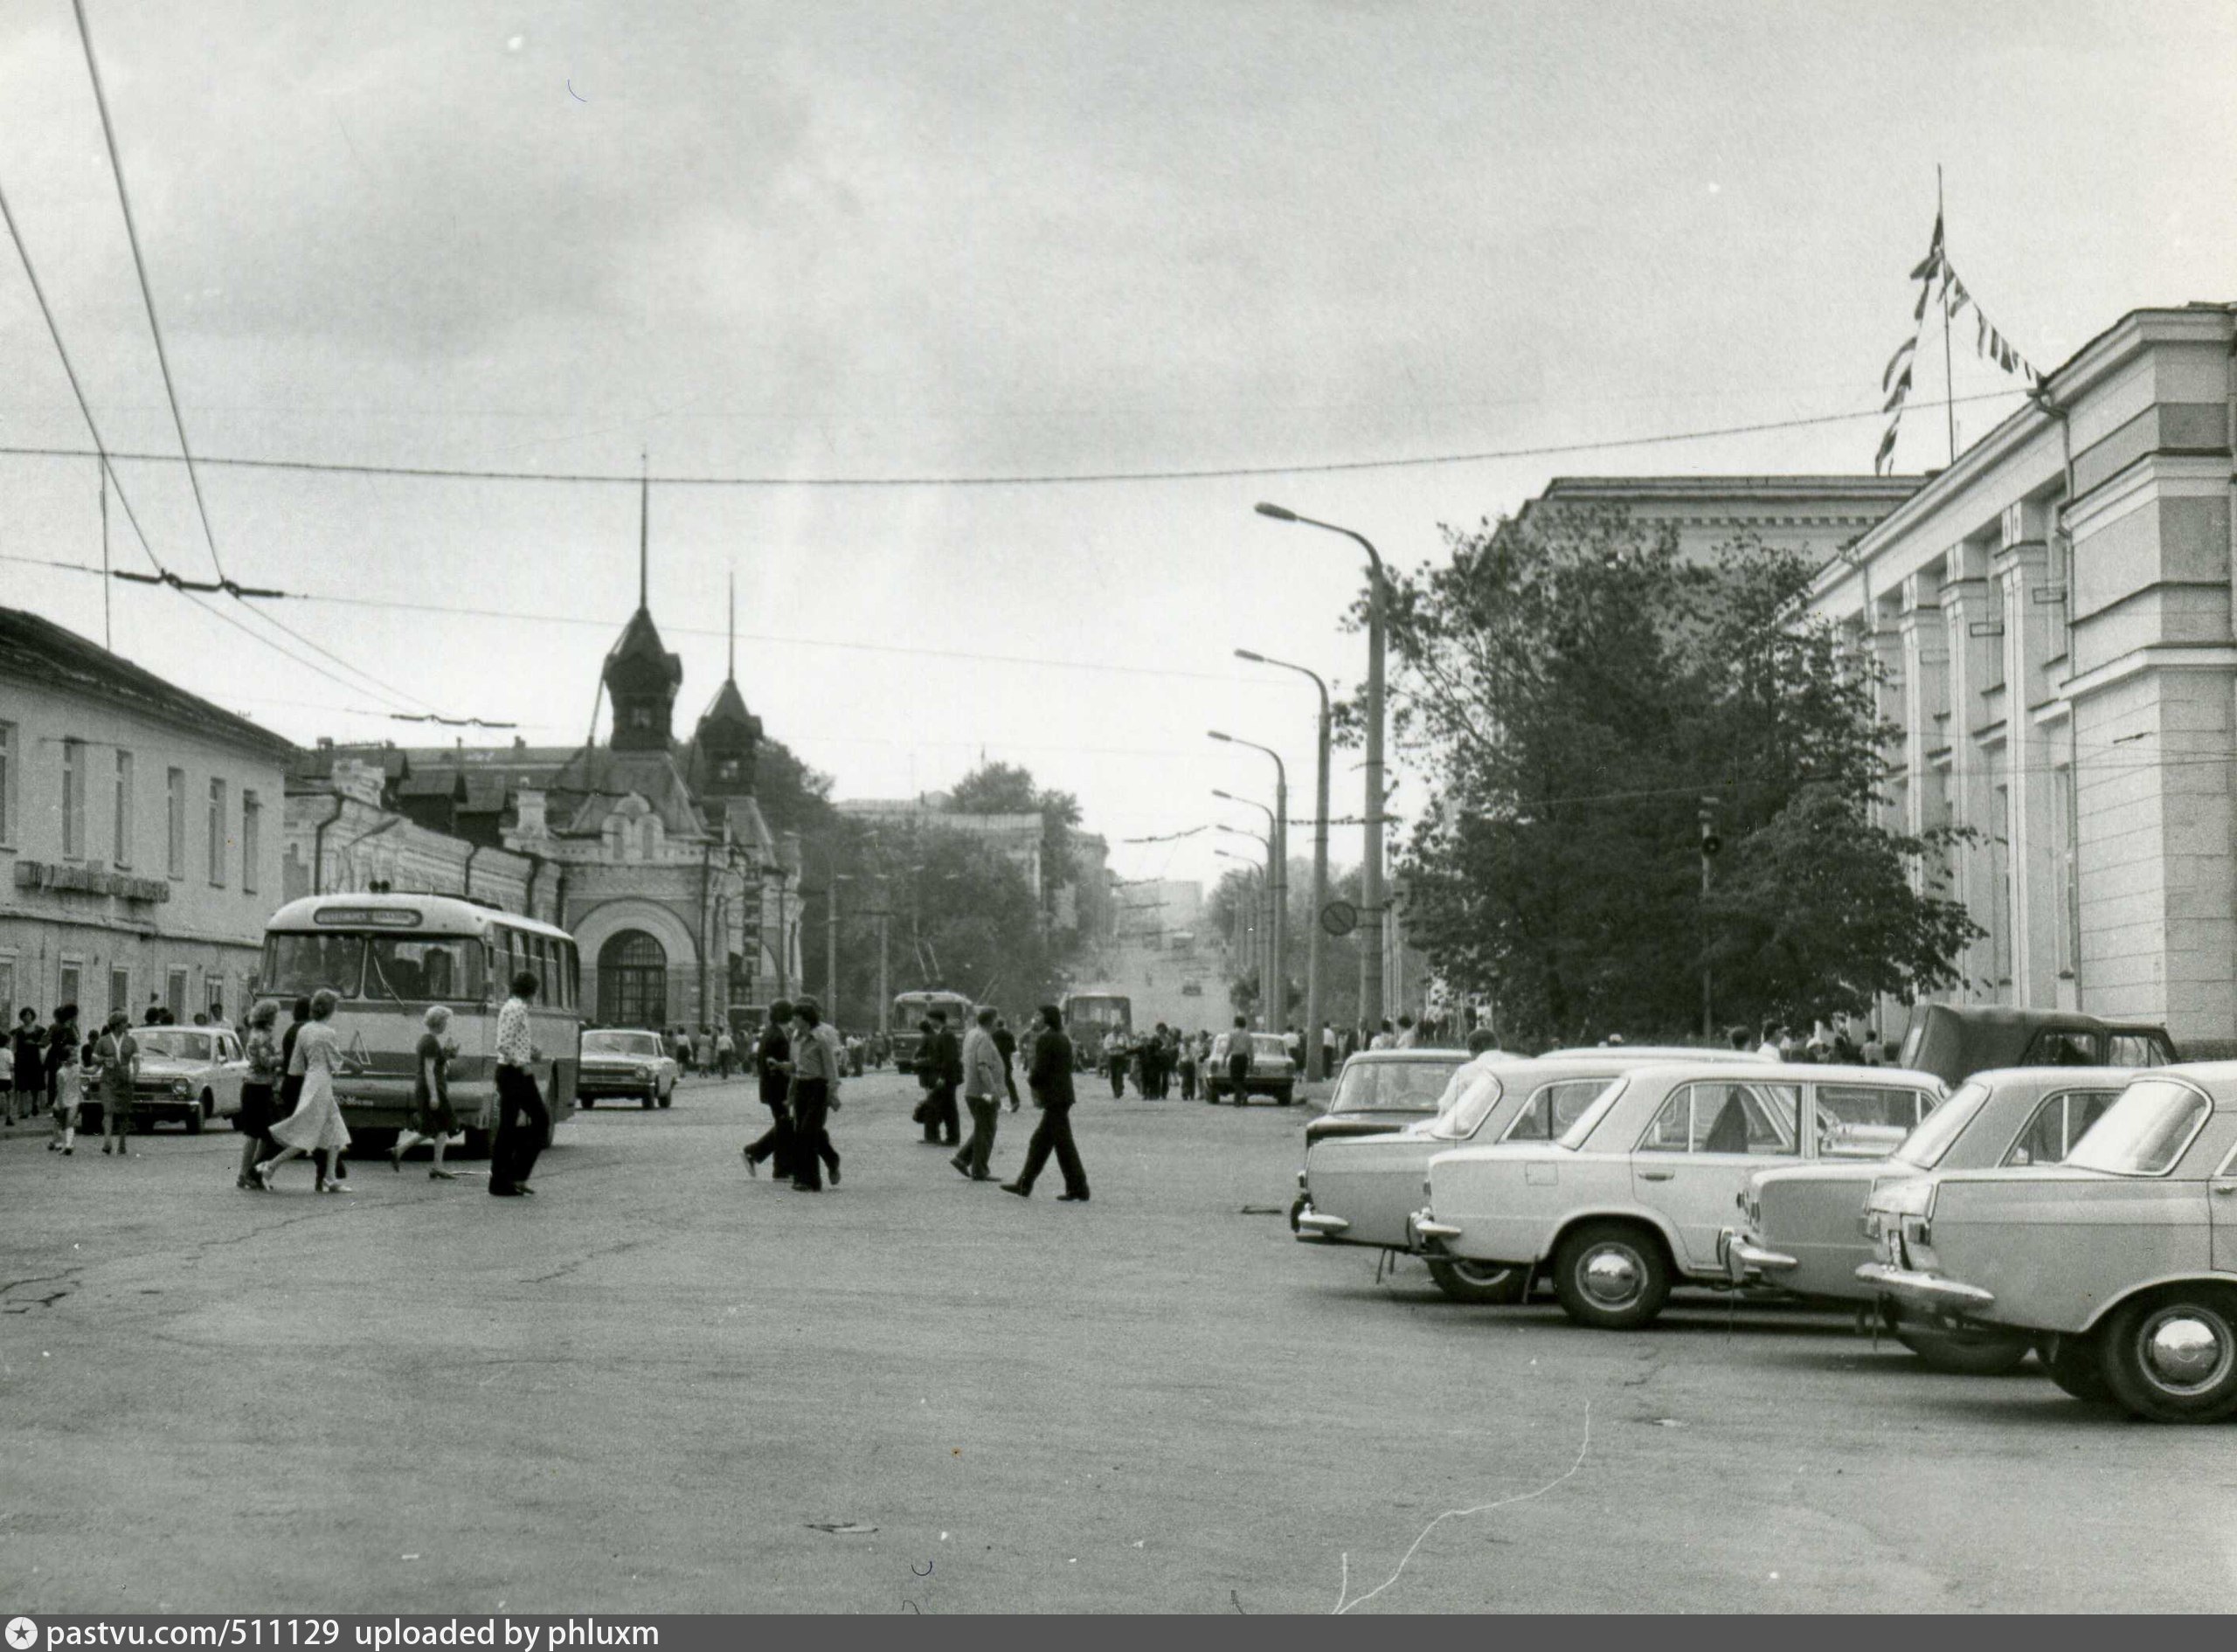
x: 23, y: 1634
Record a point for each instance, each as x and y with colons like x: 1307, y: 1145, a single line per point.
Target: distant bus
x: 390, y: 957
x: 1090, y: 1016
x: 909, y: 1008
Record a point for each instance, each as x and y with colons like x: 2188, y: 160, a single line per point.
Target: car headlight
x: 180, y: 1087
x: 644, y: 1072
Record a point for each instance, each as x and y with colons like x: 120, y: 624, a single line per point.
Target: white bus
x: 390, y: 957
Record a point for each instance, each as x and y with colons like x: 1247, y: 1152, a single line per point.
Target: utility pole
x: 1710, y: 844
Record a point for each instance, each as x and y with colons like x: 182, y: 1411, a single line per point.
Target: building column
x: 1891, y: 694
x: 1968, y: 600
x: 2021, y: 570
x: 1925, y: 648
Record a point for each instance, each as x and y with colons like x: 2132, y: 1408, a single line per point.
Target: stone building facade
x: 140, y: 834
x: 1812, y: 515
x: 2052, y: 615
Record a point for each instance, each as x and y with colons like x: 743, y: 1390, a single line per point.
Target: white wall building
x: 2054, y: 615
x: 140, y: 834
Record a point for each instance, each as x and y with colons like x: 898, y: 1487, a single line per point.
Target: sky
x: 913, y: 242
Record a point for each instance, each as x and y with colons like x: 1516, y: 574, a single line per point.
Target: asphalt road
x: 645, y: 1388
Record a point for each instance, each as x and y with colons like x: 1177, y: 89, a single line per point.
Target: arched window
x: 632, y: 981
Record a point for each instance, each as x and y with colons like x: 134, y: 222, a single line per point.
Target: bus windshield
x: 297, y: 965
x: 425, y: 969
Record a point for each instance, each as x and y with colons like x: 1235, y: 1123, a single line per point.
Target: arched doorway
x: 632, y: 980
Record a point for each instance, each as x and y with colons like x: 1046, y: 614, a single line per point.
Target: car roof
x: 1377, y: 1058
x: 2053, y: 1077
x: 1799, y: 1073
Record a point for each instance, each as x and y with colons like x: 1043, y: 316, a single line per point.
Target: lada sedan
x: 2121, y: 1261
x: 620, y: 1062
x: 1383, y: 1090
x: 1632, y: 1196
x: 192, y: 1074
x: 1802, y: 1228
x: 1271, y: 1071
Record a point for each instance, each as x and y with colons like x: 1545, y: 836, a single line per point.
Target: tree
x: 1006, y: 788
x: 1573, y: 691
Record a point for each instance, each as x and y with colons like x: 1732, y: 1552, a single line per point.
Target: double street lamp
x: 1255, y: 918
x: 1371, y: 892
x: 1316, y: 1057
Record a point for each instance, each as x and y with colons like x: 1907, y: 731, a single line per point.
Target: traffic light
x: 1710, y: 842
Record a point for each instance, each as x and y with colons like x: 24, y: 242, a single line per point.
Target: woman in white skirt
x: 315, y: 1125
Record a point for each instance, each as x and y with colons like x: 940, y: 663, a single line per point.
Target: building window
x: 67, y: 984
x: 252, y: 839
x: 2069, y: 884
x: 2000, y: 889
x: 217, y: 833
x: 175, y: 823
x: 175, y: 995
x: 120, y: 990
x: 123, y: 844
x: 7, y: 992
x: 7, y: 783
x: 73, y: 800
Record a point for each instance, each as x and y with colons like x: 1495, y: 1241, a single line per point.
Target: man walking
x: 815, y: 1088
x: 773, y: 1068
x: 1049, y: 1078
x: 1005, y: 1042
x: 1238, y: 1061
x: 982, y: 1094
x: 522, y: 1120
x: 943, y: 1055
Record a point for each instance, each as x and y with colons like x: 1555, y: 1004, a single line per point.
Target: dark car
x: 1955, y: 1041
x: 1383, y: 1090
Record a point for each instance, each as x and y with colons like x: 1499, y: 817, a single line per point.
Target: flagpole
x: 1948, y: 373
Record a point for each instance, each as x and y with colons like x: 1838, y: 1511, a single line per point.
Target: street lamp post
x: 1277, y: 921
x: 1268, y: 961
x: 1371, y: 898
x: 1316, y: 1059
x: 1258, y: 940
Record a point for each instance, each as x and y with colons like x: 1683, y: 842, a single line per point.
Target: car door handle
x: 2225, y: 1188
x: 1658, y: 1175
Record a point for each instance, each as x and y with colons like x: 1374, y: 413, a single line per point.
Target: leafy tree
x: 1007, y: 788
x: 1573, y: 691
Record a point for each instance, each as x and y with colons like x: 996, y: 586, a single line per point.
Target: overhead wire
x: 1044, y: 478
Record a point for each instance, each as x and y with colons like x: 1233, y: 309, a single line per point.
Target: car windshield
x: 1477, y: 1098
x: 298, y: 965
x: 644, y: 1044
x: 1925, y: 1146
x: 1268, y: 1047
x: 2145, y: 1131
x: 174, y: 1044
x: 1391, y: 1087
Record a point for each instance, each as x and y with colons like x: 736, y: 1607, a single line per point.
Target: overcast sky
x: 903, y: 239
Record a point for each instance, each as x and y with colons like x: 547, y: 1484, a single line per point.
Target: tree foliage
x: 1577, y: 695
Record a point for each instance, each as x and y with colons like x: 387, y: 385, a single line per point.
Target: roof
x: 40, y: 651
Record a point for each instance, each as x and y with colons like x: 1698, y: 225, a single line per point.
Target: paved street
x: 640, y: 1391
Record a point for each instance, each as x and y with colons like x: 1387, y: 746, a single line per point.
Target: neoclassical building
x: 652, y: 850
x: 2052, y: 614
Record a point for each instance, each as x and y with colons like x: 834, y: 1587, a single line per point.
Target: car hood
x: 170, y: 1066
x: 1846, y: 1170
x: 614, y: 1058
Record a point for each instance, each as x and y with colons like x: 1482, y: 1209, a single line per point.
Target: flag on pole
x: 1988, y: 343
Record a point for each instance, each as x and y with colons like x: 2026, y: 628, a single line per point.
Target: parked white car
x: 192, y: 1074
x: 1633, y: 1197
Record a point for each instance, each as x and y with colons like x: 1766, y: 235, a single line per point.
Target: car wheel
x: 196, y: 1112
x: 2172, y: 1356
x: 1283, y: 1097
x: 2077, y: 1366
x: 1965, y: 1353
x: 667, y: 1097
x: 586, y: 1101
x: 650, y: 1100
x: 1478, y: 1282
x: 1211, y: 1096
x: 1611, y: 1275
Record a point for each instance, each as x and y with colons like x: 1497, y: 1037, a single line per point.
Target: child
x: 69, y: 1090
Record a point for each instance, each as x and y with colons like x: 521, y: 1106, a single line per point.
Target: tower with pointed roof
x: 728, y: 736
x: 641, y: 675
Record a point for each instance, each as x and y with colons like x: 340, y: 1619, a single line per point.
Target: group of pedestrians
x: 1850, y: 1043
x: 797, y: 1062
x: 49, y: 1068
x: 989, y: 1079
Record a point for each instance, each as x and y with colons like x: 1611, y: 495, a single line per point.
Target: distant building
x: 2053, y: 613
x: 651, y: 851
x: 140, y: 834
x: 1159, y: 910
x: 1018, y: 839
x: 1814, y: 517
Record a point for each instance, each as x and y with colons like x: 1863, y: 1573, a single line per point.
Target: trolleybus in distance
x: 1091, y: 1017
x: 909, y: 1008
x: 390, y: 957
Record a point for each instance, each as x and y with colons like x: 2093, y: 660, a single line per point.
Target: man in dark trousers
x: 772, y: 1069
x: 1005, y: 1042
x: 815, y: 1090
x: 944, y: 1059
x: 522, y: 1120
x: 1238, y: 1061
x: 1049, y: 1078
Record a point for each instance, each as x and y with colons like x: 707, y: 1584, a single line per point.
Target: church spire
x: 644, y: 539
x: 641, y: 676
x: 732, y: 673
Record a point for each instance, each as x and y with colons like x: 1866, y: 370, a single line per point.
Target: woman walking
x: 260, y: 1092
x: 315, y: 1127
x: 431, y: 1119
x: 117, y: 1055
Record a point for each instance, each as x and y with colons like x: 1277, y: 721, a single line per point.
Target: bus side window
x: 574, y: 975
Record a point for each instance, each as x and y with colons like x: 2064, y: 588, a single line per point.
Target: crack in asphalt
x: 586, y: 1259
x: 11, y: 1305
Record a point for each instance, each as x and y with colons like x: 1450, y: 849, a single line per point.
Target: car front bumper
x: 591, y: 1081
x: 1922, y: 1289
x: 1310, y: 1224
